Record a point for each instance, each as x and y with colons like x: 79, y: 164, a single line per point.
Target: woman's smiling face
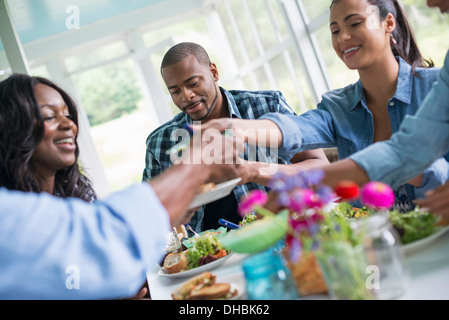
x: 358, y: 37
x: 57, y: 148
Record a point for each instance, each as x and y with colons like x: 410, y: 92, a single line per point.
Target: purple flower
x: 314, y: 177
x: 295, y: 249
x: 326, y: 194
x: 283, y: 199
x: 278, y: 182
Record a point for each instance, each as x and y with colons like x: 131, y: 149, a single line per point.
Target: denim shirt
x: 421, y: 139
x: 47, y: 245
x: 342, y: 119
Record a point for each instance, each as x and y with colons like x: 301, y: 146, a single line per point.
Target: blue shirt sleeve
x: 434, y: 176
x: 421, y: 139
x: 69, y: 249
x: 291, y: 135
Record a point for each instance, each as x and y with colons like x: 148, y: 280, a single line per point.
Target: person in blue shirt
x: 394, y: 80
x: 421, y: 139
x: 53, y: 248
x: 38, y: 139
x: 192, y: 81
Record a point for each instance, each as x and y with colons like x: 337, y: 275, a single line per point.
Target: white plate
x: 424, y: 242
x: 193, y: 272
x: 221, y: 190
x: 237, y: 282
x: 238, y: 285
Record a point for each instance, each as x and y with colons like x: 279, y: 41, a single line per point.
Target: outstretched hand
x: 437, y: 201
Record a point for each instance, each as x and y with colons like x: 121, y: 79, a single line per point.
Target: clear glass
x: 371, y: 267
x: 343, y: 267
x: 386, y: 275
x: 268, y: 278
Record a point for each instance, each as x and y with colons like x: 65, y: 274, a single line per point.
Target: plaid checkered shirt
x: 242, y: 105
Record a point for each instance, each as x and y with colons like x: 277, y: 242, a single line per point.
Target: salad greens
x: 411, y: 226
x: 218, y: 233
x: 206, y: 244
x: 247, y: 219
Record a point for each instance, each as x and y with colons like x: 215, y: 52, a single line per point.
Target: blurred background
x: 107, y: 55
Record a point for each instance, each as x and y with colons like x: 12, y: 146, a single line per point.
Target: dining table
x: 427, y: 266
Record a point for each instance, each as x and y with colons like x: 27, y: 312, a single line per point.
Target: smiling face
x: 56, y: 150
x: 193, y: 87
x: 358, y: 37
x: 443, y: 5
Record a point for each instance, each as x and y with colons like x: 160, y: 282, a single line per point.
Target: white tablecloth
x: 428, y: 268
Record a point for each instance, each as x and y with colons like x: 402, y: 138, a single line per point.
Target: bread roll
x: 183, y: 291
x: 211, y: 292
x: 175, y: 262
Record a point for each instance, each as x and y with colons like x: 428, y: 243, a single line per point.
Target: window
x: 257, y: 45
x: 429, y: 26
x: 263, y: 48
x: 119, y: 120
x: 5, y: 70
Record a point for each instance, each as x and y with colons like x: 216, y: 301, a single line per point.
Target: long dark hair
x: 21, y: 130
x: 406, y: 46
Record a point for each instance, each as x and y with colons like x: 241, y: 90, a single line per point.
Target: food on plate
x: 344, y: 209
x: 207, y: 187
x: 205, y: 249
x: 442, y: 221
x: 257, y: 235
x: 175, y: 262
x: 203, y: 287
x: 218, y: 233
x: 247, y: 219
x: 411, y: 226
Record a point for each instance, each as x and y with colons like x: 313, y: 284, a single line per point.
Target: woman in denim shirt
x: 373, y: 37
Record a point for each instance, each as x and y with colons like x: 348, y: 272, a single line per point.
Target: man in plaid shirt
x: 192, y: 82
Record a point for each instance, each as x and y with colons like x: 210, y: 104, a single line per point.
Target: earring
x: 393, y: 39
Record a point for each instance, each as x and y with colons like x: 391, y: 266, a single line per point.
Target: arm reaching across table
x: 70, y: 249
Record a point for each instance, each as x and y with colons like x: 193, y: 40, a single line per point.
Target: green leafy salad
x: 204, y: 247
x: 411, y: 226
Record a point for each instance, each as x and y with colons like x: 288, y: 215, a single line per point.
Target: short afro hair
x: 183, y: 50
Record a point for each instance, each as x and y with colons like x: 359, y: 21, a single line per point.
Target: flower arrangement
x: 310, y: 226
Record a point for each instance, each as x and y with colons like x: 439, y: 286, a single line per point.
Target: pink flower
x: 305, y: 222
x: 377, y: 195
x: 296, y: 201
x: 311, y: 199
x: 255, y: 198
